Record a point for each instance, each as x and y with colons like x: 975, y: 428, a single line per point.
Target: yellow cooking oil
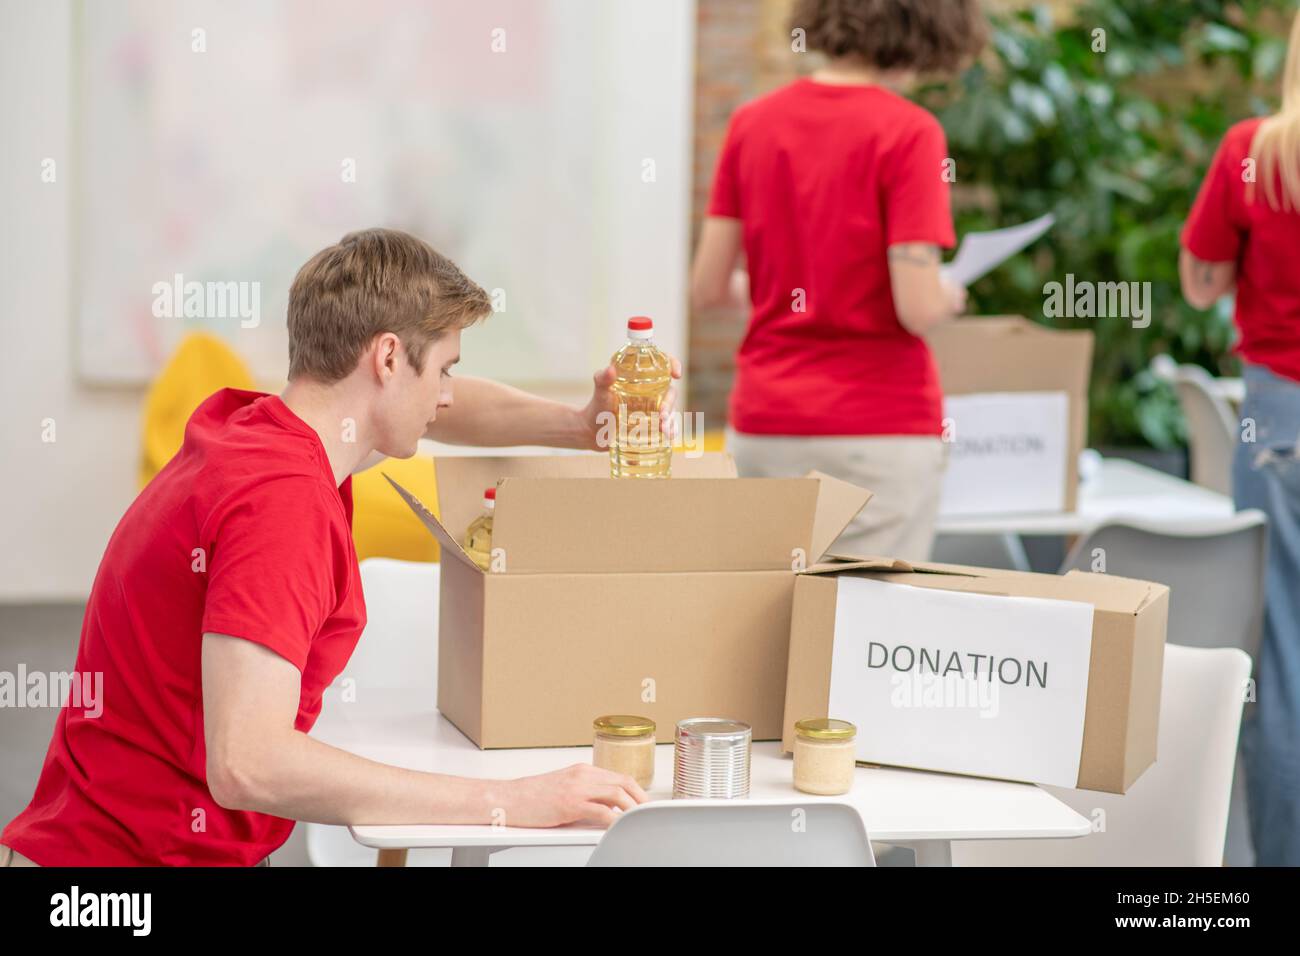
x: 640, y: 449
x: 478, y: 536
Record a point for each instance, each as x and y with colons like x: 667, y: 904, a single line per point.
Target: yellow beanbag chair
x: 382, y: 524
x: 202, y: 364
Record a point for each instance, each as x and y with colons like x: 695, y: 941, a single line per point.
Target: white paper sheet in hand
x: 1022, y: 720
x: 981, y: 252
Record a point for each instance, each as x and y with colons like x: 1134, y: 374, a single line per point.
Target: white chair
x: 1214, y: 569
x: 736, y: 833
x: 1004, y: 551
x: 1211, y: 423
x: 397, y: 650
x: 1175, y: 814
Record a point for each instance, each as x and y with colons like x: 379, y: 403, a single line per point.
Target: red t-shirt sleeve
x: 1211, y: 232
x: 271, y: 564
x: 916, y: 202
x: 725, y: 199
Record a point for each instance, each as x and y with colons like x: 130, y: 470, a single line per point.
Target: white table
x: 1120, y: 490
x: 923, y: 811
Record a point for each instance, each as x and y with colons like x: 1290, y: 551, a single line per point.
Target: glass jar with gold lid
x: 824, y: 755
x: 625, y: 744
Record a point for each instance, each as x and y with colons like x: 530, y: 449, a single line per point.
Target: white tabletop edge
x: 440, y: 836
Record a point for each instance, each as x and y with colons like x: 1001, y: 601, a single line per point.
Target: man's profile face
x: 413, y: 398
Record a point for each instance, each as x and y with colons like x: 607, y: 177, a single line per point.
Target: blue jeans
x: 1266, y: 475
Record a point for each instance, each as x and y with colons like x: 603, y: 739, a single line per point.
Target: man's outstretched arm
x: 485, y: 412
x: 257, y: 761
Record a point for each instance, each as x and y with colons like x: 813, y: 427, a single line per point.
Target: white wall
x: 525, y: 165
x: 59, y: 501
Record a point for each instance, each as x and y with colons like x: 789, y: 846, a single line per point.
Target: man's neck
x: 336, y: 418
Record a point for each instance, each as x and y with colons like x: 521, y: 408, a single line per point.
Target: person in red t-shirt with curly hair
x: 835, y: 187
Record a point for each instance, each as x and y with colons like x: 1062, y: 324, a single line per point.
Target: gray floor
x: 44, y: 638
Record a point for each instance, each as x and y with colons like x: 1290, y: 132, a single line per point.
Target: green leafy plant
x: 1109, y: 121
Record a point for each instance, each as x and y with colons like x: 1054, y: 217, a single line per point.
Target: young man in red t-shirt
x: 836, y: 189
x: 229, y: 596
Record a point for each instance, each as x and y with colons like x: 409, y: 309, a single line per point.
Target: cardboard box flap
x: 461, y: 480
x: 450, y: 546
x: 949, y: 577
x: 1026, y: 356
x: 834, y: 563
x: 1109, y: 592
x: 1106, y: 592
x: 838, y: 503
x: 578, y: 525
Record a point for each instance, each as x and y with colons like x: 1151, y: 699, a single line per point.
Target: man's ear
x: 387, y: 349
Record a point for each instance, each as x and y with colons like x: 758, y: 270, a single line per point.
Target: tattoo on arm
x: 914, y: 253
x: 1206, y: 272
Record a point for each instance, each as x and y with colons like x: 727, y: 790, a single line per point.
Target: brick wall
x: 742, y: 51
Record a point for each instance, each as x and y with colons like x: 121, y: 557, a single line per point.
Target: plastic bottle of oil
x: 478, y: 536
x: 640, y: 448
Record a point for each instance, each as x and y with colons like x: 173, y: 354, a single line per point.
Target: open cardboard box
x: 1015, y: 411
x: 668, y: 599
x: 1038, y: 677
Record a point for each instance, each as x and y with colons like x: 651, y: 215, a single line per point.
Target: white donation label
x: 1008, y: 452
x: 979, y: 684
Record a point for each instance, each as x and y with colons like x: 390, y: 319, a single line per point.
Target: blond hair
x: 1276, y: 145
x: 374, y: 281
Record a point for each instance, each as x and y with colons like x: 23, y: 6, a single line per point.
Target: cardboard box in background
x: 1073, y: 699
x: 1017, y: 395
x: 669, y: 599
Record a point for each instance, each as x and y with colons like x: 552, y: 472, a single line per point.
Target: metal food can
x: 711, y: 758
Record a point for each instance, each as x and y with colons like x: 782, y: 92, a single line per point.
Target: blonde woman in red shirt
x: 1242, y: 236
x: 834, y: 186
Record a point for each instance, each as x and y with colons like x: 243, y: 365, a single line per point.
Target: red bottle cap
x: 640, y: 323
x: 491, y: 494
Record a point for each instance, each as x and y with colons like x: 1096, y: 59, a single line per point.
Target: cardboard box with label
x: 1015, y: 411
x: 1050, y: 679
x: 667, y: 599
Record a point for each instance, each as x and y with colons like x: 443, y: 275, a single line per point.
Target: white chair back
x: 399, y: 647
x: 1175, y: 814
x: 1215, y: 572
x: 1211, y: 428
x: 736, y: 833
x: 397, y: 651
